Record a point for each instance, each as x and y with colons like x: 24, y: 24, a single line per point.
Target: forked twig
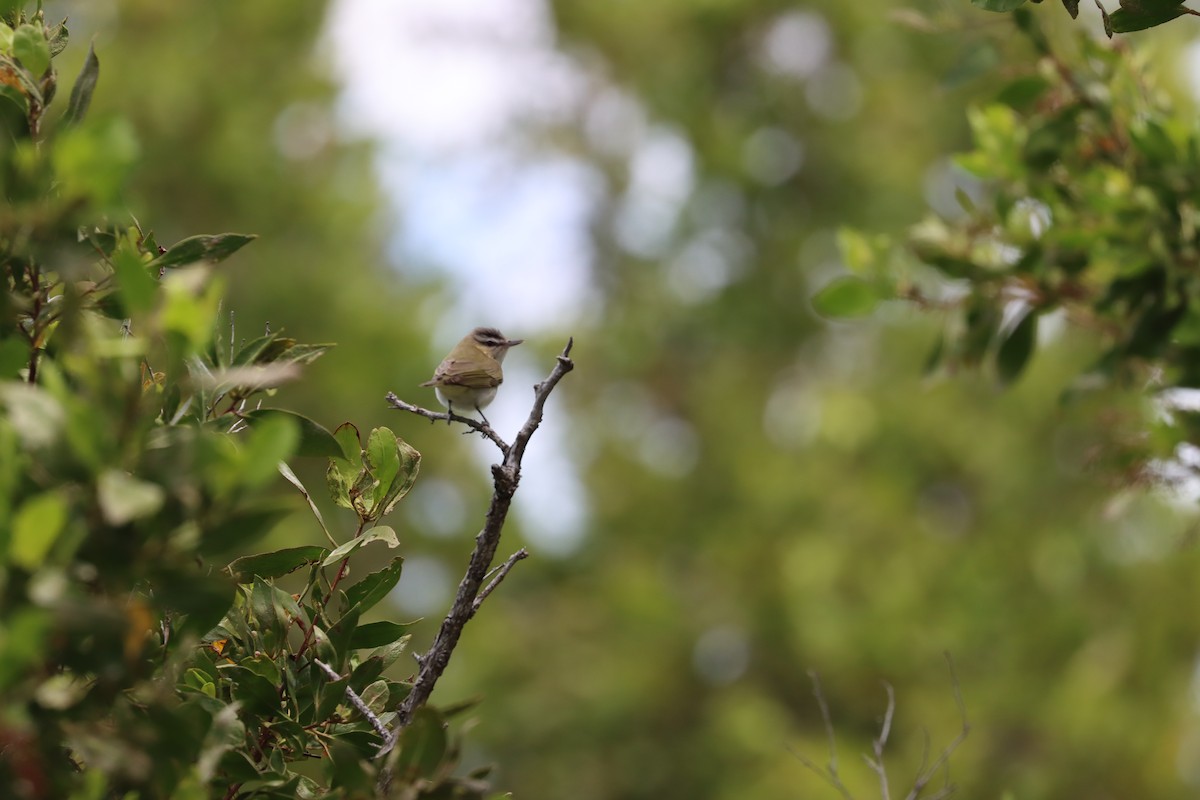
x: 927, y: 771
x: 471, y: 589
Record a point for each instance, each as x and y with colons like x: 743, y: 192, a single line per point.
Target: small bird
x: 470, y: 374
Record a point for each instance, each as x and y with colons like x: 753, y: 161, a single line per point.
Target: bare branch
x: 481, y: 427
x: 876, y: 764
x: 355, y: 700
x: 505, y: 477
x: 875, y: 761
x: 926, y: 775
x: 830, y: 772
x: 499, y: 572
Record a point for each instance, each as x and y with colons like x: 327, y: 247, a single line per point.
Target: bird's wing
x: 449, y: 374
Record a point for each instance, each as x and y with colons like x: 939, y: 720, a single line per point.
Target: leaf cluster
x: 1083, y: 204
x: 1132, y: 15
x: 136, y: 460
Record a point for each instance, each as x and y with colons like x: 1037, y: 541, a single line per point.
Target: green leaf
x: 276, y: 564
x: 422, y: 746
x: 380, y: 533
x: 846, y: 297
x: 340, y: 634
x: 394, y: 465
x: 1023, y: 92
x: 410, y: 465
x: 26, y: 631
x: 998, y: 5
x: 243, y: 527
x: 31, y: 48
x: 263, y: 609
x: 1016, y: 348
x: 315, y: 440
x: 373, y: 588
x: 36, y: 526
x: 333, y: 694
x: 350, y: 774
x: 204, y: 599
x: 857, y: 253
x: 270, y: 441
x: 1072, y: 7
x: 123, y: 498
x: 14, y: 356
x: 377, y: 634
x: 348, y: 439
x: 257, y: 694
x: 1129, y: 19
x: 81, y: 92
x: 137, y: 286
x: 93, y: 159
x: 58, y: 37
x: 291, y: 478
x: 202, y: 248
x: 6, y: 36
x: 35, y: 413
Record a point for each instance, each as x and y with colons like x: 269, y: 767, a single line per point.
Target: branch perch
x: 471, y: 589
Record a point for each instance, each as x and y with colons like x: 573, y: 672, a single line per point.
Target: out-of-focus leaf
x: 25, y: 633
x: 204, y: 599
x: 1014, y: 351
x: 276, y: 564
x: 202, y: 248
x: 81, y: 92
x: 93, y: 158
x: 137, y: 286
x: 1021, y: 93
x: 14, y: 356
x: 847, y: 296
x: 36, y: 527
x: 998, y: 5
x: 270, y: 441
x: 36, y: 415
x: 243, y: 527
x: 124, y: 498
x: 350, y: 772
x: 315, y: 440
x: 422, y: 746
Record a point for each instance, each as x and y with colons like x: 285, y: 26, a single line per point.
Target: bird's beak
x: 513, y: 342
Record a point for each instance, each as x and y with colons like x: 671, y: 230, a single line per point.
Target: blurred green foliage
x: 770, y: 491
x: 137, y: 659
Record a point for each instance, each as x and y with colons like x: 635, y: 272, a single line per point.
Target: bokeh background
x: 729, y: 491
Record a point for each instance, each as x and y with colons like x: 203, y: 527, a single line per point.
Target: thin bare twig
x: 926, y: 775
x: 876, y: 764
x: 355, y: 700
x: 505, y: 477
x: 830, y: 772
x: 433, y: 416
x: 927, y: 771
x: 499, y: 572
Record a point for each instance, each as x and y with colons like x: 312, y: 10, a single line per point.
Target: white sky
x: 448, y: 90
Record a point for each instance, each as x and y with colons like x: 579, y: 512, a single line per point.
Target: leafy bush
x: 1083, y: 205
x: 136, y: 458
